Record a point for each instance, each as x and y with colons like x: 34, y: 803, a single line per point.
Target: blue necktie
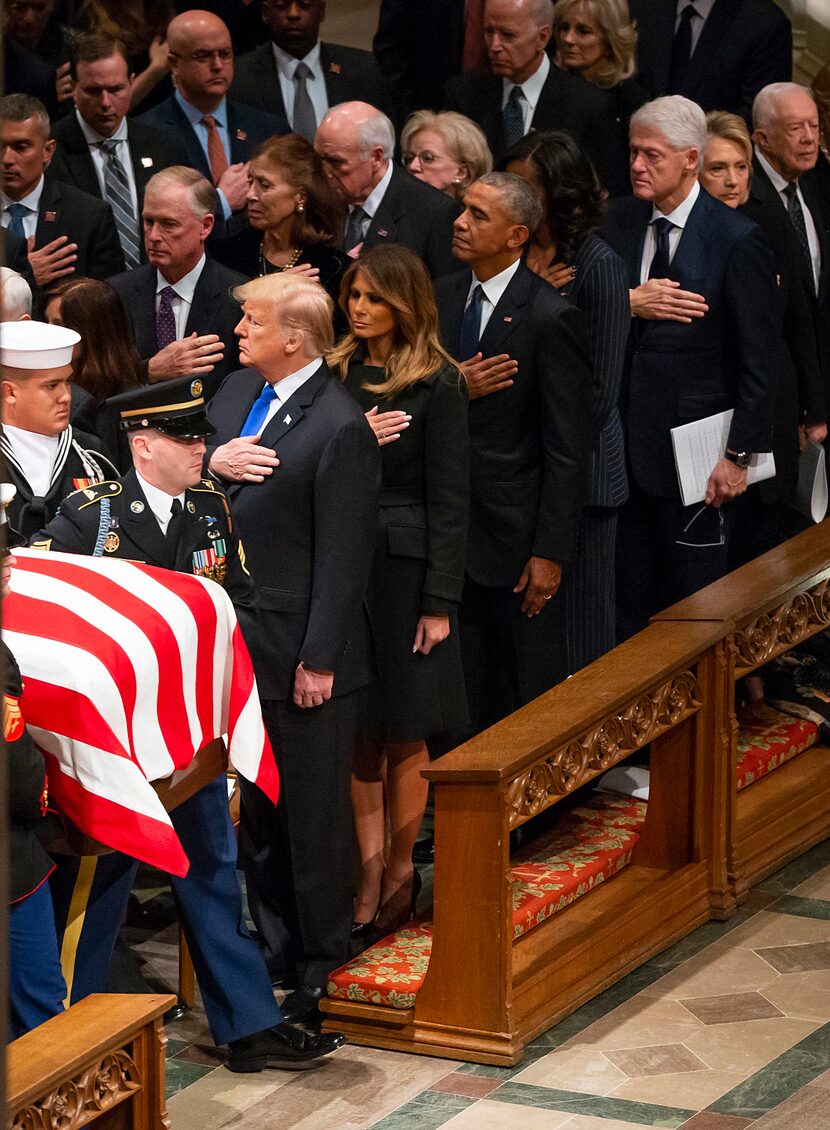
x: 17, y: 212
x: 470, y: 326
x: 513, y: 118
x: 661, y: 262
x: 256, y: 417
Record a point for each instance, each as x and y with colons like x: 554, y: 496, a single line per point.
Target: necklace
x: 268, y: 268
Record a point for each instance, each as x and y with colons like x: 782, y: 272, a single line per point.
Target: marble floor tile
x: 414, y: 1115
x: 486, y: 1115
x: 801, y: 869
x: 180, y: 1075
x: 822, y: 1080
x: 591, y: 1122
x: 729, y: 1008
x: 713, y: 972
x: 473, y: 1086
x: 805, y: 995
x: 664, y: 1059
x: 574, y: 1069
x: 798, y: 958
x: 809, y: 1109
x: 747, y: 1046
x: 693, y: 1089
x: 816, y: 887
x: 641, y: 1022
x: 219, y: 1098
x: 706, y: 1120
x: 597, y: 1106
x: 801, y: 907
x: 768, y: 929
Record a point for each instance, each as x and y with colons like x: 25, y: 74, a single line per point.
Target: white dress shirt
x: 531, y: 90
x: 288, y: 386
x: 679, y: 217
x: 372, y: 202
x: 32, y: 201
x: 159, y: 501
x: 36, y: 455
x: 99, y: 157
x: 315, y: 83
x: 703, y: 8
x: 493, y: 289
x: 182, y: 298
x: 780, y: 185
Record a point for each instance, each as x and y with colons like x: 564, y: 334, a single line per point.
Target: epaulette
x: 96, y: 493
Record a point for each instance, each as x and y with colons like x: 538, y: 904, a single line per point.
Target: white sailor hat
x: 36, y: 345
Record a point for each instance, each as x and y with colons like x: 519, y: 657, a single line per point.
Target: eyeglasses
x: 225, y: 54
x: 426, y: 157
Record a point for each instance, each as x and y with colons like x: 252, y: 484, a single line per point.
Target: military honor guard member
x: 164, y: 514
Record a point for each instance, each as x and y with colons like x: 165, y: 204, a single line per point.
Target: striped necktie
x: 117, y: 192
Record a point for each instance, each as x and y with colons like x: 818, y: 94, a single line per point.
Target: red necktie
x: 216, y: 150
x: 474, y: 55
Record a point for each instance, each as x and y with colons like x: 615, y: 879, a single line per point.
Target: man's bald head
x: 356, y: 142
x: 201, y: 58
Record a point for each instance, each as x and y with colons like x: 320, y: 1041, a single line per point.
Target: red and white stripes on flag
x: 128, y: 670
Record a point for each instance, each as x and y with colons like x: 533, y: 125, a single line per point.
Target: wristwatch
x: 741, y: 459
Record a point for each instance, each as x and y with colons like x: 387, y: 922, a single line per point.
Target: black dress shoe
x: 424, y: 851
x: 302, y: 1004
x: 282, y: 1046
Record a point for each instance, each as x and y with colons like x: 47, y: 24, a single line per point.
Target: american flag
x: 128, y: 671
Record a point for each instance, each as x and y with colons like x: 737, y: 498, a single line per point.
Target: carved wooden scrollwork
x: 583, y: 758
x: 76, y: 1102
x: 769, y: 635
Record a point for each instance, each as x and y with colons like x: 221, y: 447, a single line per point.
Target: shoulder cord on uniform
x: 94, y: 469
x: 103, y: 527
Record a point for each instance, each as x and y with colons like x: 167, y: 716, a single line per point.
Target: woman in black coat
x: 566, y: 250
x: 392, y: 363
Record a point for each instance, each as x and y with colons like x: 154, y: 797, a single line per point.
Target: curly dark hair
x: 573, y: 197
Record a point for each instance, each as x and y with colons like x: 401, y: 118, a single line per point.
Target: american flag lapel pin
x: 241, y: 135
x: 146, y: 162
x: 334, y: 68
x: 50, y: 217
x: 508, y: 317
x: 383, y: 233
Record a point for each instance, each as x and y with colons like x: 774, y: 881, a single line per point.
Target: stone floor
x: 728, y: 1029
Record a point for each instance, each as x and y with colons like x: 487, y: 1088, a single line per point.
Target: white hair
x: 376, y: 131
x: 16, y: 295
x: 765, y: 106
x: 681, y: 122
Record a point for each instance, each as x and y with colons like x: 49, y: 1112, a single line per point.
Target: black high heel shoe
x: 391, y: 916
x: 362, y: 929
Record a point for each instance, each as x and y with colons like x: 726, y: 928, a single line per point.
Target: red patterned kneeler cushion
x: 589, y: 845
x: 768, y: 738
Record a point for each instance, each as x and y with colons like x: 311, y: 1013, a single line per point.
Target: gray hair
x: 20, y: 107
x: 521, y: 200
x: 376, y: 131
x: 202, y: 195
x: 764, y: 108
x: 542, y: 12
x: 15, y: 295
x: 681, y: 121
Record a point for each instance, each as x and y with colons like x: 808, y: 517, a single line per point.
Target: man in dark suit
x: 218, y: 133
x: 525, y: 354
x: 164, y: 514
x: 522, y: 90
x: 419, y: 46
x: 386, y: 205
x: 308, y: 520
x: 33, y: 26
x: 102, y: 151
x: 718, y: 53
x: 179, y: 303
x: 687, y: 369
x: 66, y: 230
x: 785, y: 117
x: 295, y: 76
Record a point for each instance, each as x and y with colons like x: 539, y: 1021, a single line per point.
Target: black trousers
x: 665, y: 552
x: 509, y: 659
x: 297, y: 857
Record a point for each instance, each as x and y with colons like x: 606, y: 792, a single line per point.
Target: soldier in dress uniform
x: 163, y: 513
x: 45, y: 456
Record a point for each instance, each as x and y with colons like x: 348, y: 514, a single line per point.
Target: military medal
x: 191, y: 509
x: 82, y: 484
x: 212, y: 563
x: 137, y: 507
x: 111, y: 542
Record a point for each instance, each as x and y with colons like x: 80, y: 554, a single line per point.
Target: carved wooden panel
x: 774, y: 632
x: 76, y: 1102
x: 584, y: 758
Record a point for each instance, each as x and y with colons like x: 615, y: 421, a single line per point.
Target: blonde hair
x: 731, y: 127
x: 617, y: 28
x: 465, y: 140
x: 400, y: 278
x: 296, y: 304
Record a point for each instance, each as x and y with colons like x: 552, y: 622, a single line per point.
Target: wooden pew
x: 102, y: 1061
x: 485, y: 995
x: 773, y: 603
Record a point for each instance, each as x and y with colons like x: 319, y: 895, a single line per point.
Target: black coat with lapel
x: 213, y: 311
x: 529, y: 443
x: 819, y: 204
x: 418, y: 216
x: 351, y: 75
x: 87, y: 221
x: 743, y: 46
x: 675, y: 372
x: 309, y: 530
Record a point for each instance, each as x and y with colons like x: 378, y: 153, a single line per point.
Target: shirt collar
x: 680, y: 216
x: 159, y: 501
x: 287, y: 64
x: 372, y: 201
x: 195, y: 116
x: 495, y: 287
x: 703, y: 7
x: 186, y: 285
x: 779, y: 183
x: 289, y: 385
x: 93, y: 137
x: 32, y: 201
x: 531, y: 87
